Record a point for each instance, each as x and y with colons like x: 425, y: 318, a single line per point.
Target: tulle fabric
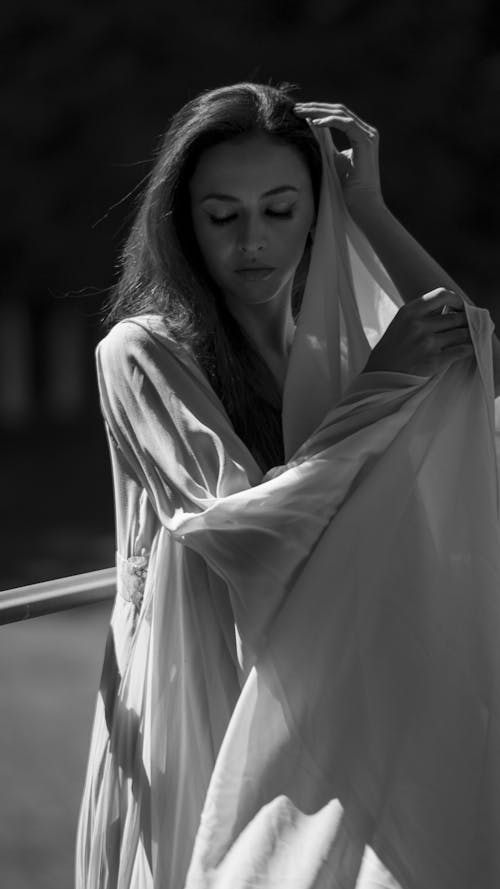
x: 312, y: 668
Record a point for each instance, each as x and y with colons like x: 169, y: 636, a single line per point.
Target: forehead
x: 248, y: 165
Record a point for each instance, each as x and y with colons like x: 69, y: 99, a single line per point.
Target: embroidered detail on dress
x: 131, y: 577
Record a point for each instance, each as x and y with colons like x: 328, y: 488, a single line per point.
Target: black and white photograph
x: 250, y: 440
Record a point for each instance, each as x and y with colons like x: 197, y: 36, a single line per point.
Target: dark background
x: 88, y: 91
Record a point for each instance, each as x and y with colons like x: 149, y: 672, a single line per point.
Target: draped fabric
x: 300, y: 682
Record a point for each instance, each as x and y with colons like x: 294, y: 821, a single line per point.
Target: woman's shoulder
x: 140, y: 334
x: 137, y: 329
x: 143, y: 344
x: 140, y: 348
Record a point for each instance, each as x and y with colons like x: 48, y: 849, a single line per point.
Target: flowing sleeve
x: 371, y: 719
x: 254, y: 531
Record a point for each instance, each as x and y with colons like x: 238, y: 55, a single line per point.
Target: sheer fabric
x: 306, y: 660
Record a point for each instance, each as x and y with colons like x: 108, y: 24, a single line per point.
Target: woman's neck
x: 270, y: 327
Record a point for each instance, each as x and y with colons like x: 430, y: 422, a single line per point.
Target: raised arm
x: 412, y: 269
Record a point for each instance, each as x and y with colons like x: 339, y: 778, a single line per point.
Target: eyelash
x: 285, y: 214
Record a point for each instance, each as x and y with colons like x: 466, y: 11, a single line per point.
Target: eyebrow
x: 228, y: 197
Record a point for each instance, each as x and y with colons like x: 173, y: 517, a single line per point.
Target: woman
x: 299, y: 681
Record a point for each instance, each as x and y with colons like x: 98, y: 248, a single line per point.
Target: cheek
x: 296, y: 234
x: 213, y: 246
x: 294, y: 244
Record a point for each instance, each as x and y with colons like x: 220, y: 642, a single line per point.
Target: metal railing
x: 24, y: 602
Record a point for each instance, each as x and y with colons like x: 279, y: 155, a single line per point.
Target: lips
x: 251, y: 268
x: 255, y: 273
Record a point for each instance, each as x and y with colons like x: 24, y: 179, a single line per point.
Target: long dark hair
x: 162, y: 271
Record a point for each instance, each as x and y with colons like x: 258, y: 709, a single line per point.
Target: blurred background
x: 87, y: 92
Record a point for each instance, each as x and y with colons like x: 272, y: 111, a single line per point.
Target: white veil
x: 349, y: 300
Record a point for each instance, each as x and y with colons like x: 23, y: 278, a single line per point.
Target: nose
x: 252, y: 238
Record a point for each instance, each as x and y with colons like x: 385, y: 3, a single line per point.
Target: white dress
x: 301, y: 679
x: 365, y: 592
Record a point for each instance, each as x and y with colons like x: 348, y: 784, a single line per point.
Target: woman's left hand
x: 358, y: 166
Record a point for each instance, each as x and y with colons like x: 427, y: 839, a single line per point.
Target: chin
x: 255, y: 297
x: 255, y: 292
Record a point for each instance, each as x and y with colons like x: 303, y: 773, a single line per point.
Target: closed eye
x: 223, y: 220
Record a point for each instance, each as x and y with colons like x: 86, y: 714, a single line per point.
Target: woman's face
x: 252, y: 207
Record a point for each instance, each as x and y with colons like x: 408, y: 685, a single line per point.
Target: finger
x: 356, y: 133
x: 449, y: 338
x: 319, y: 110
x: 320, y: 106
x: 451, y: 321
x: 347, y: 112
x: 435, y: 300
x: 337, y: 112
x: 328, y: 108
x: 349, y: 124
x: 340, y: 118
x: 456, y: 353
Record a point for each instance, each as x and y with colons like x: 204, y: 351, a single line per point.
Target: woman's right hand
x: 421, y: 339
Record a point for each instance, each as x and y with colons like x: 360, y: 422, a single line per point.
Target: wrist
x: 365, y: 203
